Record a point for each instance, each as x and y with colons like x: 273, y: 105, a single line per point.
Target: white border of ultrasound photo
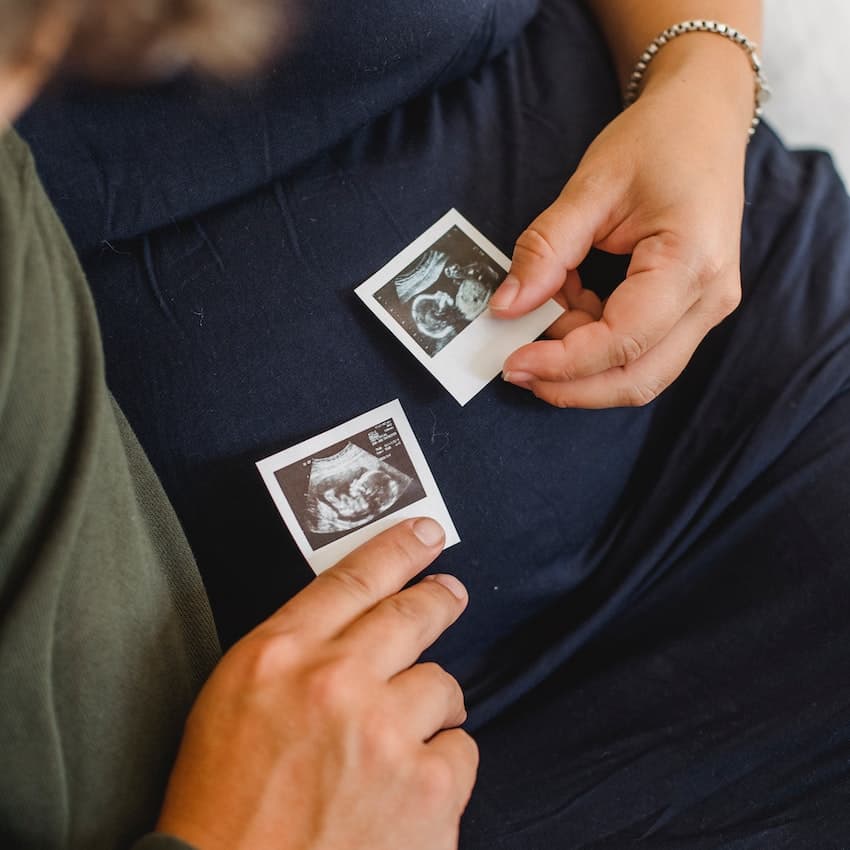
x: 476, y: 355
x: 326, y: 556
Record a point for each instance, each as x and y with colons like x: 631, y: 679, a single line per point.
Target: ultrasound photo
x: 433, y: 298
x: 443, y: 291
x: 351, y: 484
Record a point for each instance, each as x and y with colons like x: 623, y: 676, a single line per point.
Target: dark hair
x: 125, y: 40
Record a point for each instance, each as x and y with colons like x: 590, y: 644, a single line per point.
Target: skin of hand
x: 319, y: 731
x: 664, y: 183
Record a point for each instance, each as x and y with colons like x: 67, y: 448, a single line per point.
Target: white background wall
x: 807, y: 57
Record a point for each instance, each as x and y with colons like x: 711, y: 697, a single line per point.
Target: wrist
x: 707, y: 70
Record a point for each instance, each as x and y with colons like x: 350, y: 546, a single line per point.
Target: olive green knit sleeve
x: 106, y: 635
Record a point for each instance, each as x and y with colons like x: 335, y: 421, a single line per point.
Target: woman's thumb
x: 555, y: 243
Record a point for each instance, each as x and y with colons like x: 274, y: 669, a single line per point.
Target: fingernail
x: 429, y: 532
x: 451, y: 584
x: 506, y: 294
x: 518, y: 378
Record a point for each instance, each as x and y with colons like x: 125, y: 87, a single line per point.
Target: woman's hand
x: 319, y: 730
x: 664, y: 182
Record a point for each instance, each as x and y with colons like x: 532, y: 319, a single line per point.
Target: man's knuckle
x: 353, y: 581
x: 460, y: 707
x: 262, y: 659
x: 407, y: 608
x: 472, y: 754
x: 729, y: 299
x: 332, y: 685
x: 708, y: 268
x: 444, y: 680
x: 381, y: 742
x: 455, y: 690
x: 435, y: 780
x: 400, y: 550
x: 440, y: 675
x: 420, y: 612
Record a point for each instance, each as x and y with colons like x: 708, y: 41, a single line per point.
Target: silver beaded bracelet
x: 762, y: 89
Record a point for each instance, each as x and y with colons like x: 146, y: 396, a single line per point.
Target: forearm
x: 705, y: 60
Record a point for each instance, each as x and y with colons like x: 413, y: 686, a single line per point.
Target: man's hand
x: 319, y: 731
x: 663, y: 182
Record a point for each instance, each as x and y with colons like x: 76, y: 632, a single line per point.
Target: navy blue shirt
x: 125, y: 163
